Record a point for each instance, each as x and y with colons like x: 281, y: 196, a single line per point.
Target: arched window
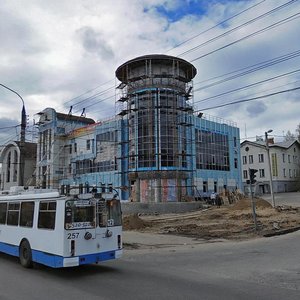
x: 8, y: 163
x: 15, y: 166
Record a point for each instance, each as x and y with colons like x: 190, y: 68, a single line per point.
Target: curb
x: 281, y: 232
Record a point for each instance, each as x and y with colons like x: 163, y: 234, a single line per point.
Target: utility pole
x: 22, y: 137
x: 269, y: 164
x: 252, y: 181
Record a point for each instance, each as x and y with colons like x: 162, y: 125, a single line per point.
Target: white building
x: 13, y: 172
x: 285, y: 166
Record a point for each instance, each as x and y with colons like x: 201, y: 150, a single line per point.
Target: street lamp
x: 22, y: 135
x: 269, y: 163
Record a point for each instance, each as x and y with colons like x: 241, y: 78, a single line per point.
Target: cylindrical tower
x: 157, y: 100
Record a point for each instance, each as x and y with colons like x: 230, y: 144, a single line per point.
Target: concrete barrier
x: 159, y: 208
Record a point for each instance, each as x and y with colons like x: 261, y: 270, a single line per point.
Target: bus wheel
x: 25, y: 254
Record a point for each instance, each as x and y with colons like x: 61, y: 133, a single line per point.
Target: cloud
x: 255, y: 109
x: 93, y: 42
x: 59, y: 49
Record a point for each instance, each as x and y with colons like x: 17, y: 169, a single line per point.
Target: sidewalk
x: 137, y: 240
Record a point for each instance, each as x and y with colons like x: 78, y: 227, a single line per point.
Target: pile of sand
x: 247, y: 204
x: 134, y: 222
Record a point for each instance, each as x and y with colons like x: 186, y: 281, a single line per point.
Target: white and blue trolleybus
x: 60, y: 231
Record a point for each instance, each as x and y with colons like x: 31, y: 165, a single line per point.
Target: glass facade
x: 212, y: 150
x: 158, y: 128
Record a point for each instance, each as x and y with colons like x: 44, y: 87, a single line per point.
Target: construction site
x: 233, y: 221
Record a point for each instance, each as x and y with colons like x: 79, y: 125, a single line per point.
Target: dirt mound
x: 245, y: 203
x: 133, y: 222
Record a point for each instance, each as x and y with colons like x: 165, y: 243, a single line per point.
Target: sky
x: 63, y: 53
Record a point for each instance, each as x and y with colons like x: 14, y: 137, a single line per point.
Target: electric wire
x: 249, y: 86
x: 248, y: 70
x: 215, y: 26
x: 250, y: 99
x: 269, y: 27
x: 239, y: 27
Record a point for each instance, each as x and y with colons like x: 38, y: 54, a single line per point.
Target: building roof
x: 262, y: 144
x: 67, y: 117
x: 189, y: 69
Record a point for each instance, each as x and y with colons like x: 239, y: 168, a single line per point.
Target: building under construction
x: 156, y: 148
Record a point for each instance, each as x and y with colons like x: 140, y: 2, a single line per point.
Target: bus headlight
x: 88, y: 236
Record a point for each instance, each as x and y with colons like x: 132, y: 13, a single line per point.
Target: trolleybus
x: 45, y: 227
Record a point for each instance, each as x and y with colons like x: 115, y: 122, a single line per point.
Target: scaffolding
x: 155, y: 98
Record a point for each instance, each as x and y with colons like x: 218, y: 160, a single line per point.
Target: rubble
x: 233, y: 221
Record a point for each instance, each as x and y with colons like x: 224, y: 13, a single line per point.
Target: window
x: 244, y: 160
x: 79, y: 214
x: 250, y: 159
x: 109, y: 214
x: 234, y: 141
x: 289, y: 158
x: 27, y: 211
x: 47, y: 213
x: 236, y: 163
x: 283, y: 157
x: 205, y: 186
x: 13, y: 213
x: 260, y: 158
x: 290, y: 173
x: 284, y: 173
x: 75, y: 147
x: 88, y: 144
x: 212, y: 150
x: 3, y: 212
x: 261, y: 173
x: 245, y: 174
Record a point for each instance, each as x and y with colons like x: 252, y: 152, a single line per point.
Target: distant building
x: 12, y: 169
x: 52, y: 147
x: 285, y: 165
x: 156, y: 148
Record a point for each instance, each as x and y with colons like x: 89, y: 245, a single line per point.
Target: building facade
x: 52, y: 148
x: 285, y: 166
x: 13, y: 171
x: 155, y: 149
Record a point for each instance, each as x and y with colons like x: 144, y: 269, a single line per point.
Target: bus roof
x: 29, y: 195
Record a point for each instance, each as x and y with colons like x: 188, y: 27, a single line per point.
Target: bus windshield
x: 109, y: 213
x: 80, y: 214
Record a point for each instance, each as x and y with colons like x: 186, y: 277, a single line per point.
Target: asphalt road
x: 291, y: 199
x: 267, y: 268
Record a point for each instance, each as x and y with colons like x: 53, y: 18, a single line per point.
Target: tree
x: 298, y: 132
x: 289, y: 136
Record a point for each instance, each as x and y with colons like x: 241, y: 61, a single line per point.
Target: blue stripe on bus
x: 56, y: 261
x: 9, y: 249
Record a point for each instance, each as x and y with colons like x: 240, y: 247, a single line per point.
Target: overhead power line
x: 249, y: 85
x: 274, y: 25
x: 215, y: 26
x: 250, y: 99
x: 276, y: 9
x: 247, y: 70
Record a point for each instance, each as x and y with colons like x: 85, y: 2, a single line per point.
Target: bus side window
x: 47, y: 213
x: 13, y: 213
x: 3, y: 212
x: 27, y: 211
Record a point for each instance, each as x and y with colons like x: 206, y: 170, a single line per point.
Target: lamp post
x: 22, y: 135
x: 269, y: 164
